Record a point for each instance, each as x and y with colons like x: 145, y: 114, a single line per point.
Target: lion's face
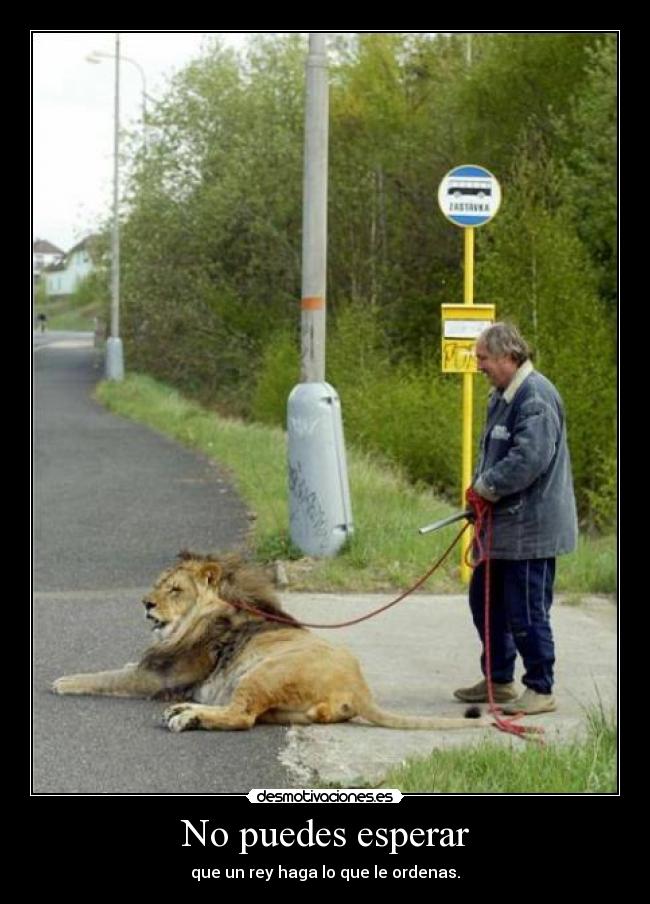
x: 178, y: 590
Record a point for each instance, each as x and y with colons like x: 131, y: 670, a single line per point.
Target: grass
x: 61, y: 316
x: 590, y: 569
x: 586, y: 766
x: 385, y: 551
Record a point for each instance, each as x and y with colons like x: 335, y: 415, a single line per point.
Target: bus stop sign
x: 469, y: 195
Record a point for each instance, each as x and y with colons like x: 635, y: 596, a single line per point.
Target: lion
x: 229, y: 656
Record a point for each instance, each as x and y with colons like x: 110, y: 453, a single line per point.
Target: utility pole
x: 314, y: 214
x: 319, y: 498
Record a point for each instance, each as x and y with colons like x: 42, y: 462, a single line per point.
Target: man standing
x: 524, y: 471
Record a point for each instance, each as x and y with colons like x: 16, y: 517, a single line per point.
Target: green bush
x: 537, y: 271
x: 92, y: 290
x: 603, y: 500
x: 40, y: 296
x: 404, y: 413
x: 279, y: 372
x: 210, y: 245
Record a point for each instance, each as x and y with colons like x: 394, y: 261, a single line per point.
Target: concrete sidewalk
x: 415, y: 654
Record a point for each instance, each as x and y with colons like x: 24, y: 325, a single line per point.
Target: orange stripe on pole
x: 312, y: 304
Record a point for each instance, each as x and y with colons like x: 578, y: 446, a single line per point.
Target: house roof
x: 84, y: 243
x: 42, y: 246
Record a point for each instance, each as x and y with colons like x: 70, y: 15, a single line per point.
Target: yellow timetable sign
x: 461, y: 325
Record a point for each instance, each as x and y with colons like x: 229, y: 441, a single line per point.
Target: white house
x: 44, y: 254
x: 63, y: 277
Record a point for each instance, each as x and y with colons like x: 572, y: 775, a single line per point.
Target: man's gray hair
x: 505, y: 340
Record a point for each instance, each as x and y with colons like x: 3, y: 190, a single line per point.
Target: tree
x: 588, y: 142
x: 537, y: 270
x: 210, y: 249
x: 211, y: 242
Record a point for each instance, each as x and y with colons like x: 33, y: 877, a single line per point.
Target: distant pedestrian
x: 524, y: 472
x: 42, y: 321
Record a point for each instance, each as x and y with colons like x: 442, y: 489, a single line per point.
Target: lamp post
x: 114, y: 352
x: 98, y: 55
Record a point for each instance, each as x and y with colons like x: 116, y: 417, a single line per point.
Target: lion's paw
x: 182, y: 717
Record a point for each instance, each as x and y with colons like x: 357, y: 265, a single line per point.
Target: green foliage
x: 401, y: 412
x: 587, y: 765
x: 80, y: 310
x: 603, y: 497
x: 385, y: 551
x: 279, y: 372
x: 277, y: 545
x: 40, y: 296
x: 92, y: 290
x: 516, y: 83
x: 210, y: 259
x: 404, y: 413
x: 211, y: 239
x: 538, y: 272
x: 593, y: 565
x: 588, y: 136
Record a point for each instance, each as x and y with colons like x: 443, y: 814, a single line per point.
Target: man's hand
x: 483, y: 490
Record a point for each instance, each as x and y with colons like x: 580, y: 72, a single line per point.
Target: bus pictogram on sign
x: 479, y: 187
x: 469, y: 196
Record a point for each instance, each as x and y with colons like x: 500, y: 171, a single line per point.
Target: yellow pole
x: 468, y: 405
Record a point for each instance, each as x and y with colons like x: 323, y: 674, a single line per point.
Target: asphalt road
x: 113, y: 503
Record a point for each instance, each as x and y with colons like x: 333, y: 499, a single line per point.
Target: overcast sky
x: 73, y: 114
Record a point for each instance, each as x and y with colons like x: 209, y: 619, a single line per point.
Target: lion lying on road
x: 236, y: 666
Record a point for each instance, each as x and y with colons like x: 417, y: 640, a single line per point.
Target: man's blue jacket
x: 524, y: 468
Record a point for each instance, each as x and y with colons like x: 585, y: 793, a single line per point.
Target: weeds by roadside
x: 585, y: 765
x: 385, y: 551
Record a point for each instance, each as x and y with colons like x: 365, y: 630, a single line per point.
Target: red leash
x: 483, y: 519
x: 354, y: 621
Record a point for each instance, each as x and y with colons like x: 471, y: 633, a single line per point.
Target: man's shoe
x: 502, y: 693
x: 530, y: 703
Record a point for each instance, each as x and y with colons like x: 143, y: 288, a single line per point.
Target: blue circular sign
x: 469, y: 195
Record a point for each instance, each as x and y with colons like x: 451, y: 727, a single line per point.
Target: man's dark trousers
x: 521, y: 593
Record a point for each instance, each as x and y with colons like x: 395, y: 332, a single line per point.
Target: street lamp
x: 114, y: 353
x: 98, y: 55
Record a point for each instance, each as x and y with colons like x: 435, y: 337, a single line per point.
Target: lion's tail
x: 373, y: 713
